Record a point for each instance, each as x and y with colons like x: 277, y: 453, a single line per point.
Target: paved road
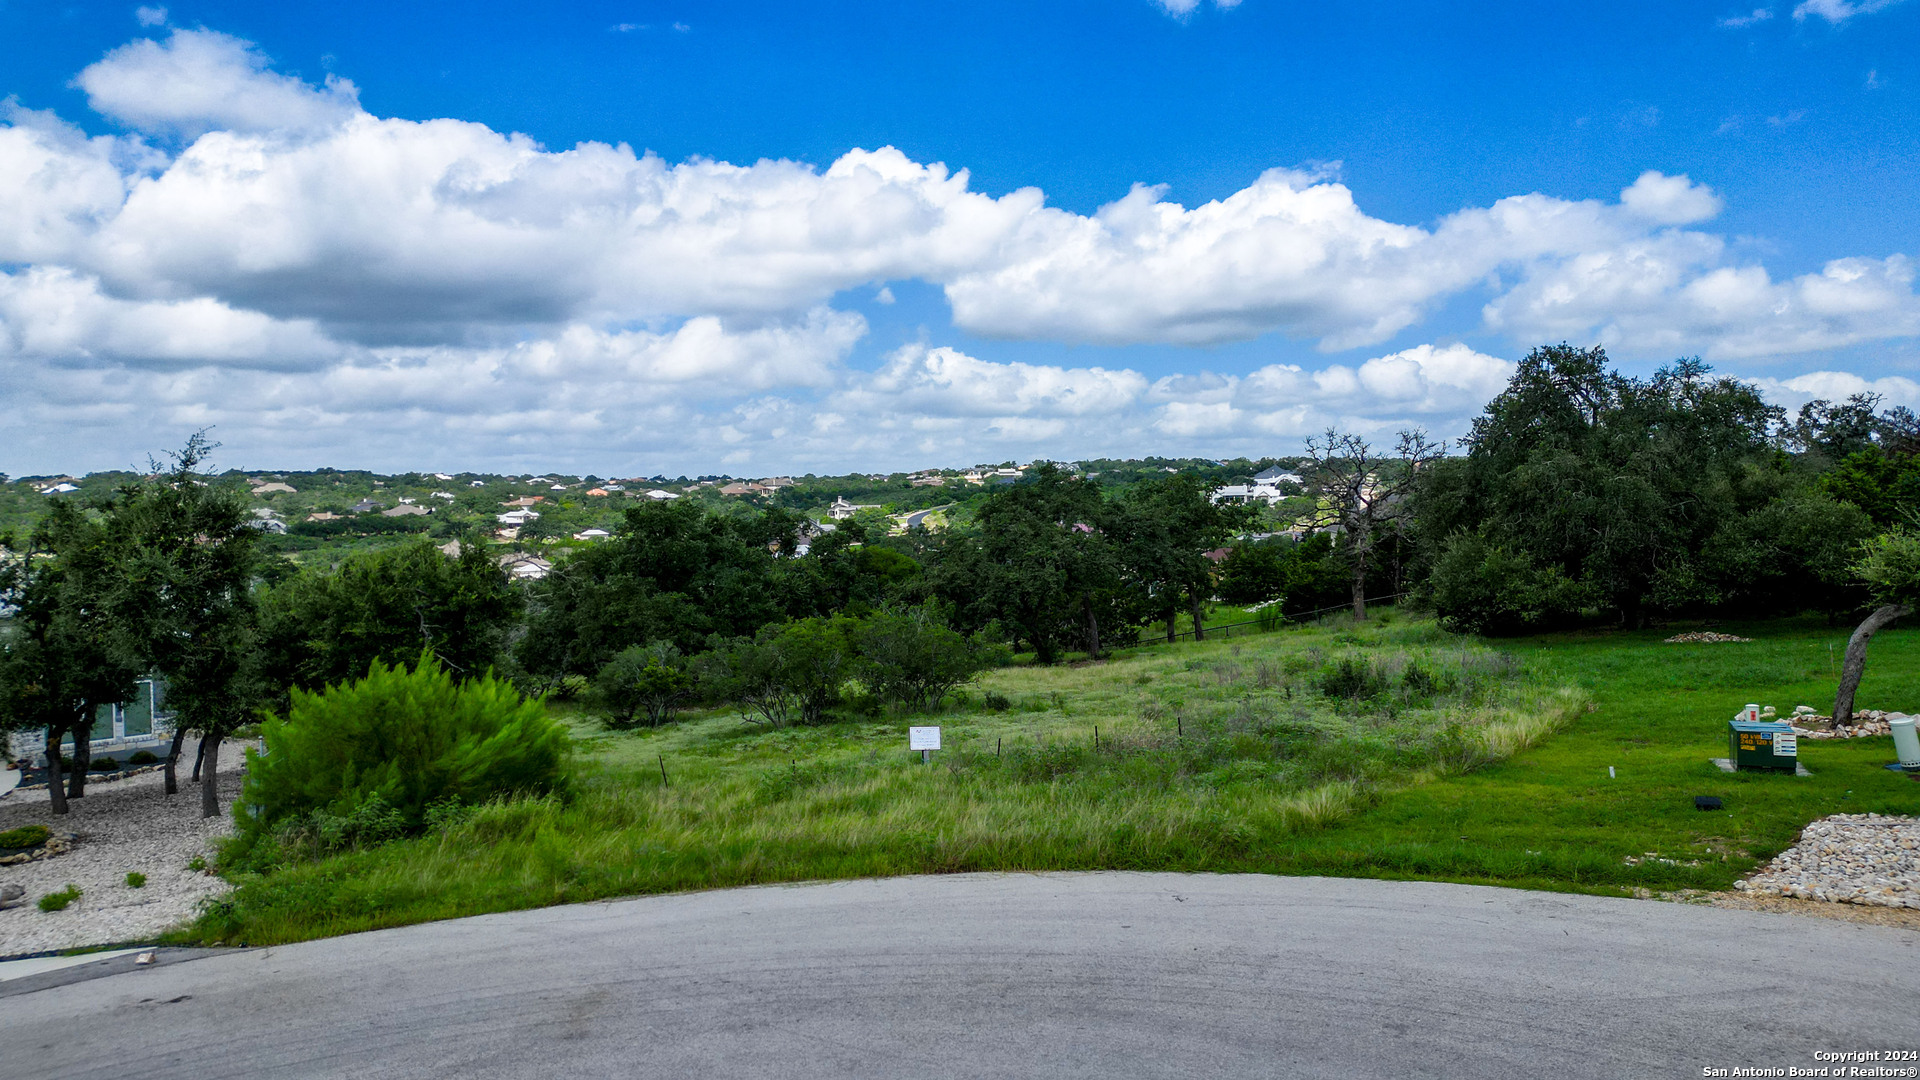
x: 1069, y: 975
x: 919, y: 517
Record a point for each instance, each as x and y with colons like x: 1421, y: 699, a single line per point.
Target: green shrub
x: 136, y: 880
x: 646, y: 681
x: 1353, y: 678
x: 54, y: 901
x: 367, y: 824
x: 1420, y: 681
x: 788, y: 673
x: 913, y: 658
x: 370, y: 757
x: 1480, y: 588
x: 197, y: 863
x: 142, y: 757
x: 105, y: 764
x: 26, y: 836
x: 996, y: 701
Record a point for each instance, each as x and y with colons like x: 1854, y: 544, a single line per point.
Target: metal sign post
x: 924, y: 739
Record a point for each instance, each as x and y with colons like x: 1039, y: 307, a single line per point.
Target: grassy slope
x: 1552, y: 818
x: 746, y: 805
x: 1212, y: 757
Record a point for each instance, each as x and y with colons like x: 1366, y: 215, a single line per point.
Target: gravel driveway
x: 129, y: 825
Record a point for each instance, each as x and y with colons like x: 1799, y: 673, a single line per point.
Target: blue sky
x: 258, y: 217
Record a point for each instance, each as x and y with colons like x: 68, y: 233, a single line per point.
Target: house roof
x: 406, y: 510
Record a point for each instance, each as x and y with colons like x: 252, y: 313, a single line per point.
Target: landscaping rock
x: 1703, y: 635
x: 1871, y: 859
x: 12, y: 896
x: 128, y: 826
x: 1866, y: 722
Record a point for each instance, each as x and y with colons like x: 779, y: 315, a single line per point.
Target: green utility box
x: 1762, y: 745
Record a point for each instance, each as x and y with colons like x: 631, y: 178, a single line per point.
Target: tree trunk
x: 199, y: 756
x: 210, y: 783
x: 173, y: 759
x: 1199, y: 632
x: 1173, y: 621
x: 1856, y: 662
x: 82, y: 757
x: 1093, y: 629
x: 1359, y: 589
x: 56, y: 794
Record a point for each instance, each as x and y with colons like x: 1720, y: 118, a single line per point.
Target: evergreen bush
x: 362, y: 762
x: 26, y: 836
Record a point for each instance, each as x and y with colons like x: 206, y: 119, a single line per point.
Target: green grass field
x: 1488, y: 763
x: 1553, y: 818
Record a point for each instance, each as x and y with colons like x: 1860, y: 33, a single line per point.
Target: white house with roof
x: 523, y: 567
x: 842, y: 509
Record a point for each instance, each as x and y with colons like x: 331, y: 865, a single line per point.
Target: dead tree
x: 1360, y: 492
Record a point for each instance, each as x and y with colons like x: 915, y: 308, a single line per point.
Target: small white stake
x: 1610, y: 775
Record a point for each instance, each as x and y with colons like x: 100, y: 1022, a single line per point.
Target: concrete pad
x: 1726, y: 765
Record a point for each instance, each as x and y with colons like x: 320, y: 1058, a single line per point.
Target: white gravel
x: 1868, y: 859
x: 129, y: 825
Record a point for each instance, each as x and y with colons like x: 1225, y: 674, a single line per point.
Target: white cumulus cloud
x: 281, y: 262
x: 202, y: 80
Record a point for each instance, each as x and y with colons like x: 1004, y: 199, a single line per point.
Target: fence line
x: 1227, y: 629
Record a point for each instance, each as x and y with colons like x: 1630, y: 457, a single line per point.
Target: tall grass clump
x: 364, y: 762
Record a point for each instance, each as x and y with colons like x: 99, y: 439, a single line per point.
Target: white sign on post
x: 923, y: 738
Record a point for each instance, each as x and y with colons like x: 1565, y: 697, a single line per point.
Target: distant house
x: 275, y: 488
x: 774, y: 483
x: 441, y: 476
x: 517, y: 517
x: 451, y: 549
x: 558, y: 487
x: 406, y: 510
x: 530, y: 500
x: 523, y: 567
x: 661, y: 496
x: 842, y: 509
x: 611, y: 488
x: 506, y: 535
x: 58, y: 489
x: 447, y: 495
x: 476, y: 483
x: 365, y: 506
x: 592, y: 534
x: 323, y: 515
x: 264, y: 520
x: 738, y: 488
x: 1277, y: 475
x: 598, y: 493
x: 1247, y: 493
x: 935, y: 480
